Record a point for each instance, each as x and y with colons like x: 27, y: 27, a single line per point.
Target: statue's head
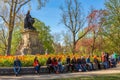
x: 28, y: 12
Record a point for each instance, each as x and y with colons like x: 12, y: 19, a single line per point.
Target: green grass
x: 100, y: 77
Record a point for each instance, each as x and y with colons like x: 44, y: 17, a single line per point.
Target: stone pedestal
x: 30, y: 43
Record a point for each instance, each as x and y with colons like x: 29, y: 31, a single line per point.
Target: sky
x: 50, y: 14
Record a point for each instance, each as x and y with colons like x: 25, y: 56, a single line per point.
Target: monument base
x: 30, y: 43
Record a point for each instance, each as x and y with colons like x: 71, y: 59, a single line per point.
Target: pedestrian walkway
x: 64, y: 75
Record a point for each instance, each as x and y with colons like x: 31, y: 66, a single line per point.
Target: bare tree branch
x: 72, y: 19
x: 4, y: 19
x: 83, y: 35
x: 22, y: 5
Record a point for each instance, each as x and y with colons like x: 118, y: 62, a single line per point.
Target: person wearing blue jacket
x: 17, y: 66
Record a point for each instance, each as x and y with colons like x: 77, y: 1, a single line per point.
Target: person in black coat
x: 68, y: 63
x: 74, y: 64
x: 49, y: 64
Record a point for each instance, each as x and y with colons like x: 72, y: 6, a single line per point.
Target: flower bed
x: 27, y: 60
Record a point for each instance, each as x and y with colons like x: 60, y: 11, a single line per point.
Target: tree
x: 45, y: 38
x: 16, y: 38
x: 56, y: 43
x: 3, y: 40
x: 67, y: 42
x: 72, y: 18
x: 9, y: 12
x: 95, y: 21
x: 112, y: 25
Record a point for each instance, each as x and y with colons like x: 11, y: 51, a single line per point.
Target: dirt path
x: 66, y: 75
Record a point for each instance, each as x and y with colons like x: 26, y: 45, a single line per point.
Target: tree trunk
x: 9, y: 40
x: 73, y: 51
x: 74, y: 43
x: 93, y: 45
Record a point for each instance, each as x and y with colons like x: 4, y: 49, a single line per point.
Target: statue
x: 28, y: 22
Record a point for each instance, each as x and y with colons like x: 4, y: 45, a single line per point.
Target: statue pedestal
x: 30, y: 43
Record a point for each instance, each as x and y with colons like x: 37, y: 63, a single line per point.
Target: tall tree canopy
x: 45, y: 37
x: 112, y: 25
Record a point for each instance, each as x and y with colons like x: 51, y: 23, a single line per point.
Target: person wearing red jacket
x: 36, y: 65
x: 55, y: 65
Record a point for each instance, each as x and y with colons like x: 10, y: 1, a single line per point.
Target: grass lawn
x: 100, y: 77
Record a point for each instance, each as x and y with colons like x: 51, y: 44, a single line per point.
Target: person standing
x: 104, y: 60
x: 17, y: 66
x: 115, y: 56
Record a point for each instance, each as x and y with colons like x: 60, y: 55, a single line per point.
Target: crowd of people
x: 82, y: 63
x: 73, y: 64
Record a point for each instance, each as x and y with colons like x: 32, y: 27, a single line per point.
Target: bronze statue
x: 28, y: 22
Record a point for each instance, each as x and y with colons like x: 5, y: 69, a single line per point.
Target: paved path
x: 66, y: 75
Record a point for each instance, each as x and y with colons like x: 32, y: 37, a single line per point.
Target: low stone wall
x: 24, y: 70
x: 30, y: 70
x: 96, y: 67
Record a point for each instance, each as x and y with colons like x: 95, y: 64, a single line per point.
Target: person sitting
x: 83, y: 63
x: 96, y: 62
x: 112, y: 62
x: 55, y: 65
x: 49, y: 64
x: 79, y: 66
x: 119, y: 59
x: 17, y: 66
x: 36, y: 65
x: 60, y: 66
x: 74, y: 64
x: 68, y: 63
x: 89, y: 63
